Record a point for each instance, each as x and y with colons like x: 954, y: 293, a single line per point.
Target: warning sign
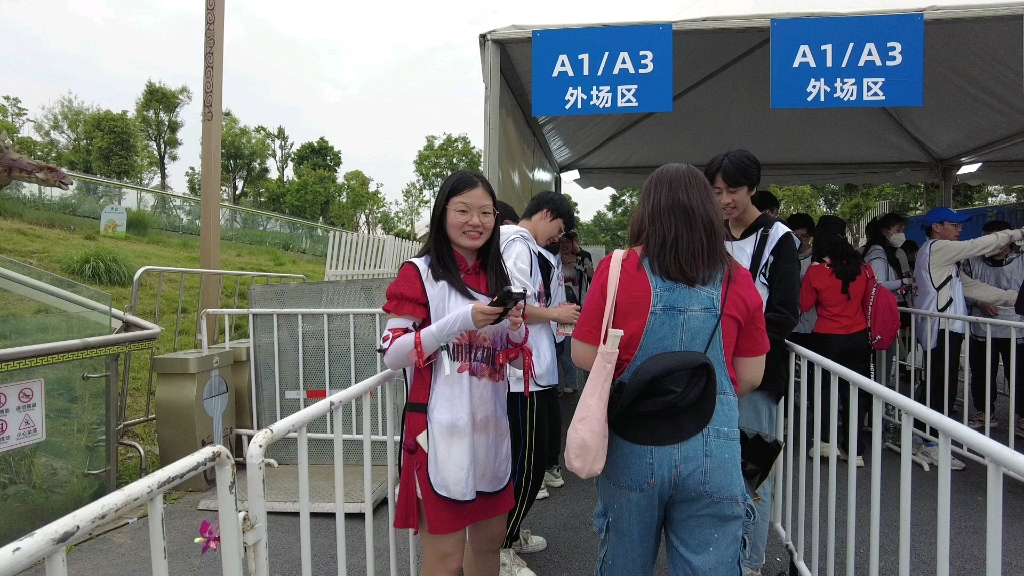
x: 22, y: 403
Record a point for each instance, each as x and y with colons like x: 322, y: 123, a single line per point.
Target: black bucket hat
x: 670, y: 398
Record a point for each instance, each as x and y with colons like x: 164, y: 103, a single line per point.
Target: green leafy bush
x: 9, y: 209
x: 100, y: 266
x: 139, y: 222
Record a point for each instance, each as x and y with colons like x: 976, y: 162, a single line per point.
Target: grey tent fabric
x: 973, y: 103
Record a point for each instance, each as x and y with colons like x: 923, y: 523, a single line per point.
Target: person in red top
x: 456, y: 469
x: 672, y: 467
x: 834, y: 286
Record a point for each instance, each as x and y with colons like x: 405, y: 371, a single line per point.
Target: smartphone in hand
x: 507, y: 300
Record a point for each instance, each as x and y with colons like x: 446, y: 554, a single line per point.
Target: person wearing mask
x: 584, y: 258
x: 768, y: 249
x: 802, y: 226
x: 884, y: 238
x: 675, y: 470
x: 1003, y: 270
x: 456, y: 481
x: 546, y: 218
x: 576, y: 284
x: 941, y: 286
x: 767, y: 203
x: 834, y: 286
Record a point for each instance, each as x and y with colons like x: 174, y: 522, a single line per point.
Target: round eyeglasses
x: 464, y: 213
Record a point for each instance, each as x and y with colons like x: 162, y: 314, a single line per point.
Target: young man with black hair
x: 506, y: 213
x: 546, y: 218
x: 767, y: 203
x: 767, y: 248
x: 1003, y: 270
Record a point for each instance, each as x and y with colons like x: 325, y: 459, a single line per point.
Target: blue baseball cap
x: 944, y: 214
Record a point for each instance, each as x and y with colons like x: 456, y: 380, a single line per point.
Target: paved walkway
x: 565, y: 520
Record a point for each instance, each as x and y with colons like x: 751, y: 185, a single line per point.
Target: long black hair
x: 439, y: 247
x: 830, y: 242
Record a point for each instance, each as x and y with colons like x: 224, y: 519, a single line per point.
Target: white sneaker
x: 513, y: 565
x: 553, y: 477
x: 529, y: 543
x: 930, y: 452
x: 844, y: 456
x: 825, y: 449
x: 543, y: 492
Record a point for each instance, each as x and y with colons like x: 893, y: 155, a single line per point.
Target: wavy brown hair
x: 678, y: 224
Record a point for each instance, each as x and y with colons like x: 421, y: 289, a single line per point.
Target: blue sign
x: 848, y: 62
x: 607, y: 70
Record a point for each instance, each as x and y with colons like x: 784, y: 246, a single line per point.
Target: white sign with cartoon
x: 22, y: 417
x: 114, y: 221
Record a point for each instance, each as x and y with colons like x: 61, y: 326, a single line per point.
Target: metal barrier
x: 51, y: 541
x: 185, y: 279
x: 978, y: 339
x: 297, y: 426
x: 999, y: 460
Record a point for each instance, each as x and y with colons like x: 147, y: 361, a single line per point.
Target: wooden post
x: 213, y: 77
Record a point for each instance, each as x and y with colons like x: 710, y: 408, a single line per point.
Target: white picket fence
x: 351, y: 256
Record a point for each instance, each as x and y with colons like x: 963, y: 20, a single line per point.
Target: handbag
x: 586, y: 443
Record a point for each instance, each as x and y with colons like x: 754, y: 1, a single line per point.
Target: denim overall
x: 692, y: 490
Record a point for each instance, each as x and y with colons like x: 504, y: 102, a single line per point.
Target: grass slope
x: 48, y: 245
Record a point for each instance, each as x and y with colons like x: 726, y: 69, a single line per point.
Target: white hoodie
x: 520, y: 251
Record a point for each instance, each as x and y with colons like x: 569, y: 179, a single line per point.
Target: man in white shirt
x: 546, y: 218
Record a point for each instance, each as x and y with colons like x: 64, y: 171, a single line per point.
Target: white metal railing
x: 351, y: 255
x: 295, y: 426
x: 378, y: 433
x: 357, y: 395
x: 792, y: 483
x: 51, y: 541
x: 978, y: 334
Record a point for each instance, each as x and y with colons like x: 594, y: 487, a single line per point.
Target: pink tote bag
x: 586, y: 445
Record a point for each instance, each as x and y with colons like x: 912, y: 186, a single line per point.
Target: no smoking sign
x: 22, y: 414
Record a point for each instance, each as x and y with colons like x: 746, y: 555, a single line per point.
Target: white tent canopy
x: 973, y: 107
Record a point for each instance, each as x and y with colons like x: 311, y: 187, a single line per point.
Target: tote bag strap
x: 614, y: 271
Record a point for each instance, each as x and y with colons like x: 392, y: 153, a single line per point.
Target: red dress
x: 407, y: 297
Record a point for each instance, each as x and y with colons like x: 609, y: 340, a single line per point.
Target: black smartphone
x: 507, y: 299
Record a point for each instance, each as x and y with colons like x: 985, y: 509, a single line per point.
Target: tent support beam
x: 972, y: 155
x: 492, y: 109
x: 932, y: 156
x: 508, y: 72
x: 709, y: 77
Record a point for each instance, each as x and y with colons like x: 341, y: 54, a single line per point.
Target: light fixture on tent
x: 968, y: 168
x: 570, y: 176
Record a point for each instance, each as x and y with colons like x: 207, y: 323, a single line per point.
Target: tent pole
x: 492, y: 113
x: 946, y: 178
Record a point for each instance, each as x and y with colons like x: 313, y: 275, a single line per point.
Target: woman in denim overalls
x: 670, y: 299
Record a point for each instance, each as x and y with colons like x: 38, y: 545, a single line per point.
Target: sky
x: 374, y: 78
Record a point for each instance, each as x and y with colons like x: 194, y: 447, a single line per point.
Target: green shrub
x: 11, y: 209
x: 100, y: 266
x: 139, y: 222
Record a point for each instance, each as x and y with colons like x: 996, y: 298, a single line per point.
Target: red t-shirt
x: 743, y: 331
x: 838, y: 313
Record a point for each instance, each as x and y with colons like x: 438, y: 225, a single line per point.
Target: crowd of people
x: 704, y: 310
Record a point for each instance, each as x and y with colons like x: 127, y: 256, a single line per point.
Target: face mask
x: 897, y: 240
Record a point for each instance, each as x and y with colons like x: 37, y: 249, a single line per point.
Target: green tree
x: 13, y: 116
x: 797, y: 199
x: 409, y: 209
x: 63, y: 137
x: 311, y: 193
x: 158, y: 113
x: 442, y: 155
x: 610, y: 227
x: 118, y: 149
x: 244, y: 155
x: 282, y: 146
x: 361, y: 205
x: 318, y: 155
x: 193, y: 181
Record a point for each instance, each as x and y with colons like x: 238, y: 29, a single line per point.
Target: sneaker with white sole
x: 543, y: 492
x: 826, y: 450
x: 529, y: 543
x: 553, y: 477
x: 977, y: 421
x: 1019, y: 428
x: 844, y: 456
x: 930, y: 452
x: 513, y: 565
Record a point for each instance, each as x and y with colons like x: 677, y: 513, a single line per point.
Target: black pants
x: 850, y: 351
x: 529, y: 428
x: 1000, y: 349
x: 937, y: 384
